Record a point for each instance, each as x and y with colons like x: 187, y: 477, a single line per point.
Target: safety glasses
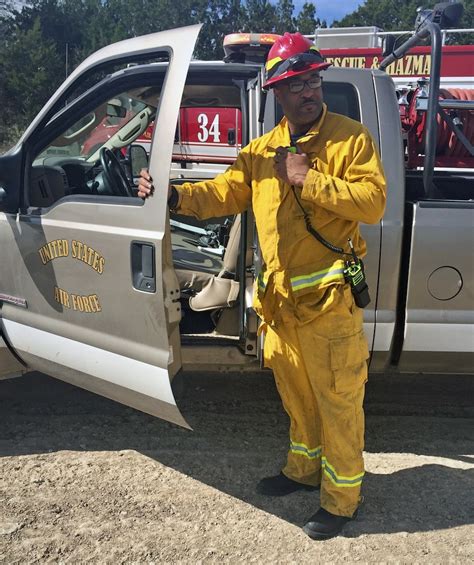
x: 300, y: 61
x: 295, y: 86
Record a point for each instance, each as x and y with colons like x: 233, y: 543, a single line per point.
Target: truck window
x: 340, y: 97
x: 83, y: 149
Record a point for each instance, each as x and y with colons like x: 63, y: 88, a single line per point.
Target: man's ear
x: 277, y: 93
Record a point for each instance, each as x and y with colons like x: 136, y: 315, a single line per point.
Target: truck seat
x: 209, y: 280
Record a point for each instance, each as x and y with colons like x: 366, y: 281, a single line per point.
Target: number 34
x: 206, y: 132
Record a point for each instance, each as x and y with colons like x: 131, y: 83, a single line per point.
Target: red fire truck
x: 409, y: 74
x: 213, y: 134
x: 205, y: 134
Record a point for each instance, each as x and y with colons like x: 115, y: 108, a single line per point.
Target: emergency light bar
x: 248, y: 47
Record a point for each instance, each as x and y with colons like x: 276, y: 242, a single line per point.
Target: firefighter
x: 315, y: 171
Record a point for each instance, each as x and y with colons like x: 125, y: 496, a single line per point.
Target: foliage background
x: 45, y: 40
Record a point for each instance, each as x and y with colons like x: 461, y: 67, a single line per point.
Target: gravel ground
x: 84, y: 479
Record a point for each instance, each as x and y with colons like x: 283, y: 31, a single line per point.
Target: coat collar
x: 283, y: 132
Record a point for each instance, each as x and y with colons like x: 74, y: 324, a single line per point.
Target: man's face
x: 304, y: 107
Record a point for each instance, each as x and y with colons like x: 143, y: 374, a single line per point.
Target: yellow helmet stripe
x: 272, y: 62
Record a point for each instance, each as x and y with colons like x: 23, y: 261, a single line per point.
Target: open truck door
x: 88, y: 290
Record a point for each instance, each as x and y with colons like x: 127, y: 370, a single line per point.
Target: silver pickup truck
x: 107, y: 292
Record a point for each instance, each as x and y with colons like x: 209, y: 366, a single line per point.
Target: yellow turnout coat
x: 345, y: 186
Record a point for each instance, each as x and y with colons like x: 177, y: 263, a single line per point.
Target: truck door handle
x: 231, y: 136
x: 143, y: 266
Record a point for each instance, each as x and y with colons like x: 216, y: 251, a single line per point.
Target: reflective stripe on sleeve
x: 340, y: 480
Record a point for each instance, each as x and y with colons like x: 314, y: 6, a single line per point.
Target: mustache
x: 309, y: 97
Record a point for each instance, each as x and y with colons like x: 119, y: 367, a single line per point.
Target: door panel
x: 439, y: 326
x: 344, y: 89
x: 97, y: 370
x: 390, y: 251
x: 85, y: 322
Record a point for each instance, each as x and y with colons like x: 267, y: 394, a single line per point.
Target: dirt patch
x: 84, y: 479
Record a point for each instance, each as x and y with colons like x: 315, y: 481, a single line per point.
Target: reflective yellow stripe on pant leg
x: 282, y: 354
x: 302, y: 449
x: 336, y: 352
x: 342, y: 460
x: 340, y: 480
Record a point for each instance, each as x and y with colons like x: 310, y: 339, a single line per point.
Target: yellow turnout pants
x: 320, y: 371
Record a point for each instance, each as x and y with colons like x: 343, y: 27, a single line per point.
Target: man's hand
x: 145, y: 184
x: 291, y: 168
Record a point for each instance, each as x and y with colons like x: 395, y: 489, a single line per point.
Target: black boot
x: 324, y: 525
x: 281, y: 485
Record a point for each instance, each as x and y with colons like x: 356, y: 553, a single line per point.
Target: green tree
x: 306, y: 20
x: 260, y: 16
x: 92, y: 33
x: 284, y: 16
x: 31, y: 70
x: 59, y: 24
x: 467, y: 22
x: 220, y: 17
x: 392, y: 15
x: 387, y: 14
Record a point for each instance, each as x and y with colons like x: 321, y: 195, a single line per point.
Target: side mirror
x: 116, y: 110
x: 138, y: 159
x: 445, y: 14
x: 11, y: 166
x: 448, y: 13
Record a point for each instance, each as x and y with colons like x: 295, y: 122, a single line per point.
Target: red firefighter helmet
x: 291, y: 55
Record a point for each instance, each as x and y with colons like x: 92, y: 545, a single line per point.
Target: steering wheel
x: 114, y: 176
